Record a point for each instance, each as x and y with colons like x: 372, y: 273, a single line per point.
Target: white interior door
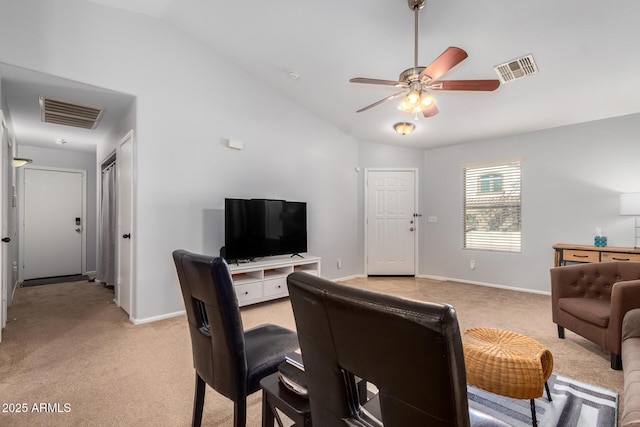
x: 124, y: 165
x: 391, y: 227
x: 53, y: 221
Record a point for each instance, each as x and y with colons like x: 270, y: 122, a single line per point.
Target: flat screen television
x: 257, y: 228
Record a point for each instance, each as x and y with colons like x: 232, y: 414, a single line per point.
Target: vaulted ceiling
x: 586, y: 52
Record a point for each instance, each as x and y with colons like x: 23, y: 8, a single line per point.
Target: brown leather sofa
x: 631, y: 361
x: 591, y: 300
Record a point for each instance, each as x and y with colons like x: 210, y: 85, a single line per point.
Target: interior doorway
x: 391, y: 222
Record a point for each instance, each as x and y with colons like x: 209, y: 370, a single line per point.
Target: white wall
x: 188, y: 100
x: 571, y: 180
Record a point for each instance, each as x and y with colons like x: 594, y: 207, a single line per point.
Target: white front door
x: 391, y: 227
x: 53, y: 222
x: 124, y: 165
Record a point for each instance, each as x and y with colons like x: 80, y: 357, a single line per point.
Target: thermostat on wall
x: 233, y: 143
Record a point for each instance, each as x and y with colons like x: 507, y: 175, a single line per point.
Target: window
x: 492, y: 206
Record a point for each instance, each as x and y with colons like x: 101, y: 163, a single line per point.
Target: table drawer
x: 614, y: 256
x: 276, y: 287
x: 580, y: 256
x: 248, y: 292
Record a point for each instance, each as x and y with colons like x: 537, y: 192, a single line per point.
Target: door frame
x: 416, y: 238
x: 21, y: 201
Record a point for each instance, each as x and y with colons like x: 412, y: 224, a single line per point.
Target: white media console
x: 264, y: 280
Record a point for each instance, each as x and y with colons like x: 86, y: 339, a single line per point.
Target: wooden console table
x: 581, y: 253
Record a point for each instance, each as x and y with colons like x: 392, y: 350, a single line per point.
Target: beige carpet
x: 69, y: 344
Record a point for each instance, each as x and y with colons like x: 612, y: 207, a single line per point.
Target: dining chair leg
x: 198, y: 401
x: 240, y: 413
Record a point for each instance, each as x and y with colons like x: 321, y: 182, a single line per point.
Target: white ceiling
x: 586, y: 51
x: 22, y: 90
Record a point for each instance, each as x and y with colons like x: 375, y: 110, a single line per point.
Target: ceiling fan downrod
x: 416, y: 6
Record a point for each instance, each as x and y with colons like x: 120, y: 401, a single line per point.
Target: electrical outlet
x: 472, y: 264
x: 339, y: 263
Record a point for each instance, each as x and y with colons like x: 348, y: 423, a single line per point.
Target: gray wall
x: 65, y: 159
x: 571, y: 180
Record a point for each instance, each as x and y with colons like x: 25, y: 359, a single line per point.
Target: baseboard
x: 156, y: 318
x: 488, y: 285
x: 353, y: 276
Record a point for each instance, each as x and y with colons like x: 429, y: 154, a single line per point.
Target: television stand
x: 266, y: 279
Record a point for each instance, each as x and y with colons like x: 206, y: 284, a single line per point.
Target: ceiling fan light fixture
x: 416, y: 101
x: 413, y: 98
x: 404, y: 128
x: 404, y: 105
x: 426, y: 100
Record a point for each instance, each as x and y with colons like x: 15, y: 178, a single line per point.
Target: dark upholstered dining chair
x: 227, y: 358
x: 410, y: 350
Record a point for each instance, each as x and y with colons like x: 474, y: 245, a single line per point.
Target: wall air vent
x: 66, y: 113
x: 516, y: 69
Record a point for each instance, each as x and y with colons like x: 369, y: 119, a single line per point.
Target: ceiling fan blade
x: 446, y: 61
x: 430, y: 111
x: 475, y: 85
x: 388, y: 98
x: 377, y: 82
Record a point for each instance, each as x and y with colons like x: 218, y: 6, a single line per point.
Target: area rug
x: 52, y: 280
x: 575, y: 404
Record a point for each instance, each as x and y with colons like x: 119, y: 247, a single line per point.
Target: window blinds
x: 492, y: 206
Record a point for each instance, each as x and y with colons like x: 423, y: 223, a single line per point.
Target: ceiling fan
x: 417, y: 81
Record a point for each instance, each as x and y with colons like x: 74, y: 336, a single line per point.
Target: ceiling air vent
x: 516, y: 69
x: 69, y: 114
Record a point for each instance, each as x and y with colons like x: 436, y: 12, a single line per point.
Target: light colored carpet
x: 68, y: 343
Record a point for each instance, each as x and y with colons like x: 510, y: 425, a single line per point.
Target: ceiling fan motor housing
x: 411, y: 74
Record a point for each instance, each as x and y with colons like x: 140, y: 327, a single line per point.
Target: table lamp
x: 630, y: 205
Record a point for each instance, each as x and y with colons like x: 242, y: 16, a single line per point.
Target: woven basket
x: 506, y: 363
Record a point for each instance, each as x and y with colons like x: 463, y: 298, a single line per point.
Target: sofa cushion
x: 595, y: 311
x: 631, y: 362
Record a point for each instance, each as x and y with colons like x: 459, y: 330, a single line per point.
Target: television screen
x: 261, y: 227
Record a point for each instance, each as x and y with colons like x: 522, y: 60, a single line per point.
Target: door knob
x: 6, y: 239
x: 126, y: 236
x: 411, y: 229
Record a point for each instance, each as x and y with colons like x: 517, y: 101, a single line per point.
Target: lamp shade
x: 630, y: 204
